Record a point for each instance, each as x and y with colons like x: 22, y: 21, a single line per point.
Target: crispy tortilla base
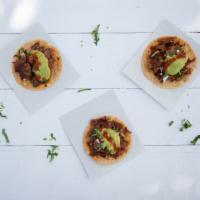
x: 56, y: 70
x: 109, y: 160
x: 174, y: 84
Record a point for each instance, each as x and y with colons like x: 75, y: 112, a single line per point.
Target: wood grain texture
x: 169, y: 166
x: 99, y: 66
x: 149, y: 119
x: 156, y: 174
x: 83, y: 15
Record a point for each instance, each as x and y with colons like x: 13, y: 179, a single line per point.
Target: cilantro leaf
x: 52, y: 153
x: 95, y: 34
x: 2, y: 107
x: 5, y: 135
x: 185, y: 124
x: 84, y: 89
x: 194, y: 141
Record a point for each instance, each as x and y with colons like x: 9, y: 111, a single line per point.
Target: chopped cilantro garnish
x: 194, y: 141
x: 96, y: 134
x: 52, y: 153
x: 185, y: 124
x: 84, y: 89
x: 5, y: 135
x: 81, y: 43
x: 170, y: 123
x: 95, y: 34
x: 2, y: 107
x: 50, y: 138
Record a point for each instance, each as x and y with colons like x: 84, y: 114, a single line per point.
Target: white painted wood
x: 149, y: 119
x: 83, y: 15
x: 169, y: 173
x: 169, y: 170
x: 99, y: 67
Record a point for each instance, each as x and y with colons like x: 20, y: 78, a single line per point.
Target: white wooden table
x: 168, y: 169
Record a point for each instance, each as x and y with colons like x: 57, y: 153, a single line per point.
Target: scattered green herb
x: 2, y: 107
x: 52, y: 153
x: 96, y: 134
x: 84, y: 89
x: 95, y: 34
x: 171, y: 123
x: 81, y: 43
x: 194, y: 141
x: 185, y: 124
x: 5, y: 135
x: 52, y: 137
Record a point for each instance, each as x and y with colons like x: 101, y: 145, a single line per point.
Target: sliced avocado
x: 115, y: 137
x: 176, y: 66
x: 108, y: 145
x: 44, y: 71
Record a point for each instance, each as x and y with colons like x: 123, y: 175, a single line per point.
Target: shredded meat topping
x: 161, y: 55
x: 95, y: 141
x: 25, y: 63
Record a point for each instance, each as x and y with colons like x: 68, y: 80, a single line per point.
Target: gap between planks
x: 98, y: 88
x: 69, y: 145
x: 88, y: 33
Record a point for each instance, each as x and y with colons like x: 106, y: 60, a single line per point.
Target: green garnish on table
x: 95, y: 34
x: 84, y: 89
x: 52, y: 152
x: 5, y: 135
x: 194, y: 141
x: 185, y: 125
x: 171, y: 123
x: 2, y: 107
x: 50, y: 138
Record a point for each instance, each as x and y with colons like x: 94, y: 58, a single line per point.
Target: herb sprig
x: 185, y: 124
x: 50, y: 138
x: 2, y: 107
x: 84, y: 89
x: 52, y: 152
x: 171, y: 123
x: 194, y: 141
x: 95, y: 34
x: 5, y: 135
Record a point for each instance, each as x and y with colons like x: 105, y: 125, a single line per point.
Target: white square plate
x: 75, y: 122
x: 34, y: 100
x: 168, y: 98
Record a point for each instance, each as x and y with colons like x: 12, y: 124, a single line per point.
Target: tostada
x: 107, y: 139
x: 37, y: 65
x: 169, y: 62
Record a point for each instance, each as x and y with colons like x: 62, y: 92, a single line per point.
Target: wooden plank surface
x: 169, y: 166
x: 156, y: 174
x: 102, y: 62
x: 152, y: 128
x: 83, y: 15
